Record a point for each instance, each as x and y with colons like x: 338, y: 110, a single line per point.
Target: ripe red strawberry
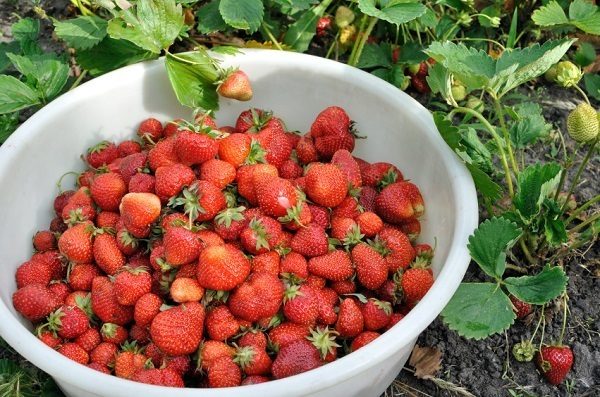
x: 107, y: 220
x: 301, y: 304
x: 323, y: 25
x: 181, y: 246
x: 150, y: 130
x: 267, y: 262
x: 334, y: 266
x: 306, y: 151
x: 555, y: 362
x: 105, y: 304
x: 253, y: 360
x: 131, y: 165
x: 310, y: 241
x: 367, y: 198
x: 107, y: 254
x: 276, y: 196
x: 379, y: 175
x: 290, y: 169
x: 139, y: 211
x: 139, y: 334
x: 364, y: 338
x: 108, y: 190
x: 113, y: 333
x: 370, y: 223
x: 350, y: 319
x: 294, y: 358
x: 327, y: 303
x: 99, y: 367
x: 260, y: 296
x: 68, y: 321
x: 186, y: 289
x: 171, y: 179
x: 236, y: 86
x: 415, y: 284
x: 278, y: 149
x: 44, y: 241
x: 230, y: 222
x: 49, y: 338
x: 221, y: 324
x: 129, y: 361
x: 286, y: 333
x: 320, y: 215
x: 163, y: 154
x: 104, y: 354
x: 376, y: 314
x: 178, y: 331
x: 74, y: 352
x: 235, y: 149
x: 89, y: 339
x: 345, y: 162
x: 343, y: 227
x: 246, y: 176
x: 401, y: 252
x: 81, y: 276
x: 142, y: 183
x: 146, y: 308
x: 252, y: 120
x: 218, y: 172
x: 76, y: 243
x: 521, y: 308
x: 203, y: 199
x: 223, y: 372
x: 399, y: 202
x: 394, y: 319
x: 211, y: 350
x: 195, y: 147
x: 326, y: 185
x: 101, y: 154
x: 34, y: 272
x: 35, y: 301
x: 127, y: 243
x: 222, y: 267
x: 253, y: 338
x: 130, y: 284
x: 371, y: 267
x: 294, y: 264
x: 331, y: 131
x: 57, y: 225
x: 61, y: 200
x: 261, y: 235
x: 254, y: 380
x: 158, y: 376
x: 128, y: 147
x: 179, y: 364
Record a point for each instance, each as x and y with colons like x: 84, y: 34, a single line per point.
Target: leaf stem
x: 511, y: 155
x: 538, y: 324
x: 363, y: 39
x: 564, y: 321
x: 270, y: 35
x: 582, y: 208
x: 591, y: 219
x: 78, y: 80
x: 583, y: 94
x: 579, y: 171
x: 357, y: 39
x: 480, y: 39
x: 333, y: 44
x: 497, y: 139
x: 526, y: 252
x: 516, y: 268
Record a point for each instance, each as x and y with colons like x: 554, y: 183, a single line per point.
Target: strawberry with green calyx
x: 76, y: 243
x: 68, y: 322
x: 113, y: 333
x: 524, y: 351
x: 350, y: 320
x: 276, y: 196
x: 253, y: 120
x: 196, y: 145
x: 376, y: 314
x: 567, y: 74
x: 415, y: 283
x: 150, y: 130
x: 582, y: 123
x: 131, y: 283
x: 230, y: 222
x: 261, y: 235
x: 301, y: 304
x: 127, y: 243
x: 395, y: 246
x: 253, y: 360
x: 101, y: 154
x: 341, y: 227
x: 297, y: 216
x: 296, y: 357
x: 129, y: 360
x: 399, y: 201
x: 324, y: 339
x: 224, y: 372
x: 235, y: 84
x: 353, y: 237
x: 555, y: 362
x: 381, y: 174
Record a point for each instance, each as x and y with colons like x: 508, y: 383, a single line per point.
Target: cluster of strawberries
x: 218, y: 257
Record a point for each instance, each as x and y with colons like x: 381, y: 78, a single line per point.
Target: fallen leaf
x: 427, y: 361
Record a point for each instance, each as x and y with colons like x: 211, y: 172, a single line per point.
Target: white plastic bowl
x: 296, y: 87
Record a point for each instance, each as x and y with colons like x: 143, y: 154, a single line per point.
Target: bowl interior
x: 296, y: 87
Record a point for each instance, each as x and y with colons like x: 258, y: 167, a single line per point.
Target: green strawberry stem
x: 579, y: 171
x: 497, y: 139
x: 511, y: 155
x: 591, y: 219
x: 358, y: 49
x: 526, y: 252
x: 334, y: 44
x: 582, y: 208
x: 564, y: 321
x: 271, y: 37
x: 538, y: 324
x: 585, y: 97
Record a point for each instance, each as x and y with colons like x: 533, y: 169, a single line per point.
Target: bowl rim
x: 326, y: 376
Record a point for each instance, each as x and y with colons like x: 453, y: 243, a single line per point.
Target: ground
x: 486, y: 367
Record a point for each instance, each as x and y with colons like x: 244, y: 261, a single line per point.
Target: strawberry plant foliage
x: 535, y: 183
x: 247, y: 15
x: 16, y: 95
x: 301, y: 32
x: 393, y: 11
x: 538, y: 289
x: 82, y: 32
x: 583, y: 15
x: 192, y: 77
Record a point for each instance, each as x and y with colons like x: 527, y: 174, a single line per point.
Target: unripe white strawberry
x: 567, y: 74
x: 582, y: 123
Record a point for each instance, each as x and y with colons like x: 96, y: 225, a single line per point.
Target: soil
x: 469, y: 367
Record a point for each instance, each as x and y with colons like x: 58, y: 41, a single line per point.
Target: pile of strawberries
x: 212, y: 257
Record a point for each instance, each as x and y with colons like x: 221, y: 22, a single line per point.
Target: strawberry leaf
x: 82, y: 32
x: 538, y: 289
x: 489, y: 243
x: 15, y: 95
x: 209, y: 18
x: 247, y: 15
x: 478, y: 310
x: 549, y: 15
x: 111, y: 54
x: 592, y: 85
x: 301, y: 32
x: 394, y: 11
x: 530, y: 125
x: 151, y: 24
x: 45, y: 73
x: 535, y: 183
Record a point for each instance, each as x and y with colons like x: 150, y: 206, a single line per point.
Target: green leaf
x: 151, y: 24
x: 512, y: 34
x: 528, y: 63
x: 489, y: 243
x: 440, y: 82
x: 246, y: 15
x: 550, y: 15
x: 412, y: 53
x: 45, y: 73
x: 373, y: 56
x: 50, y: 389
x: 225, y: 49
x: 394, y: 11
x: 111, y: 54
x: 15, y: 95
x: 193, y: 76
x: 554, y: 227
x: 476, y: 150
x: 592, y: 85
x: 478, y: 310
x: 538, y: 289
x: 473, y: 67
x: 590, y: 24
x: 448, y: 132
x: 585, y: 54
x: 581, y: 9
x: 209, y: 18
x: 485, y: 184
x: 5, y: 48
x: 26, y: 32
x: 292, y: 6
x: 535, y: 183
x: 82, y: 32
x: 530, y: 125
x: 301, y: 32
x: 8, y: 125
